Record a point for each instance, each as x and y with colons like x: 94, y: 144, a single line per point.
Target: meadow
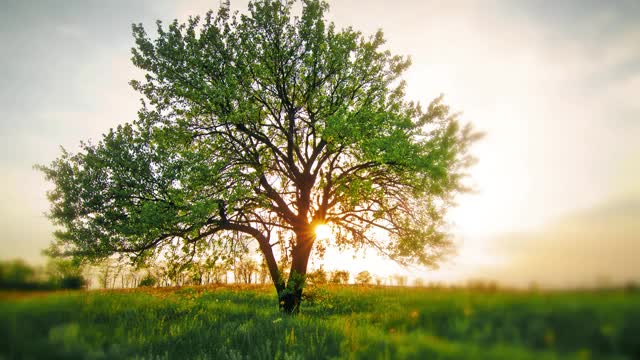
x: 337, y: 322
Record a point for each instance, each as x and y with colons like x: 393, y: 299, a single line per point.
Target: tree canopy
x: 264, y: 125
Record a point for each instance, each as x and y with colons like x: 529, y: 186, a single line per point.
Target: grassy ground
x: 338, y: 322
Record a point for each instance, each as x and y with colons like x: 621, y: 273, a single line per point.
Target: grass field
x: 338, y: 322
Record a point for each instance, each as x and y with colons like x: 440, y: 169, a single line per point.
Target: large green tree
x: 263, y: 126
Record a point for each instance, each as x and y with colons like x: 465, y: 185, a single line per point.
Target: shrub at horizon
x: 18, y: 275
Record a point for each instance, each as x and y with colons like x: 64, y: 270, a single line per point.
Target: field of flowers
x: 234, y: 322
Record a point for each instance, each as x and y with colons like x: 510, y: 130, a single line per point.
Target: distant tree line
x: 170, y: 271
x: 112, y: 273
x: 239, y: 265
x: 237, y: 270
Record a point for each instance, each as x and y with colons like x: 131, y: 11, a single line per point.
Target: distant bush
x: 16, y: 274
x: 73, y: 282
x: 316, y: 295
x: 60, y: 274
x: 317, y: 277
x: 148, y: 281
x: 631, y: 286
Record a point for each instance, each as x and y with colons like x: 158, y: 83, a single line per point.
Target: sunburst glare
x: 323, y: 231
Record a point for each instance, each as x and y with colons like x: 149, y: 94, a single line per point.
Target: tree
x: 400, y: 280
x: 263, y: 272
x: 215, y: 270
x: 16, y: 274
x: 266, y: 125
x: 363, y: 278
x: 245, y: 270
x: 66, y: 273
x: 317, y: 277
x: 107, y: 270
x: 339, y: 277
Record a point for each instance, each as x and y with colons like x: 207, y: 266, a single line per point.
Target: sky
x: 554, y: 88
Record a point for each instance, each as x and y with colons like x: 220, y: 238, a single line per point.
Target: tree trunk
x: 272, y: 265
x: 291, y: 296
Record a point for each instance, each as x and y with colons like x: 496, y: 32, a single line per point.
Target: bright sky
x: 553, y: 86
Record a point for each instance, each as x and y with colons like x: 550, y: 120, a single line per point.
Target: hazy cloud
x: 582, y: 249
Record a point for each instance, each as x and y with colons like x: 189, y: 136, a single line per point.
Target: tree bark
x: 272, y: 265
x: 291, y: 296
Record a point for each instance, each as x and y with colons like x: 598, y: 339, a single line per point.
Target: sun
x: 323, y: 231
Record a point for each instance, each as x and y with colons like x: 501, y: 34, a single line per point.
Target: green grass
x: 339, y: 322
